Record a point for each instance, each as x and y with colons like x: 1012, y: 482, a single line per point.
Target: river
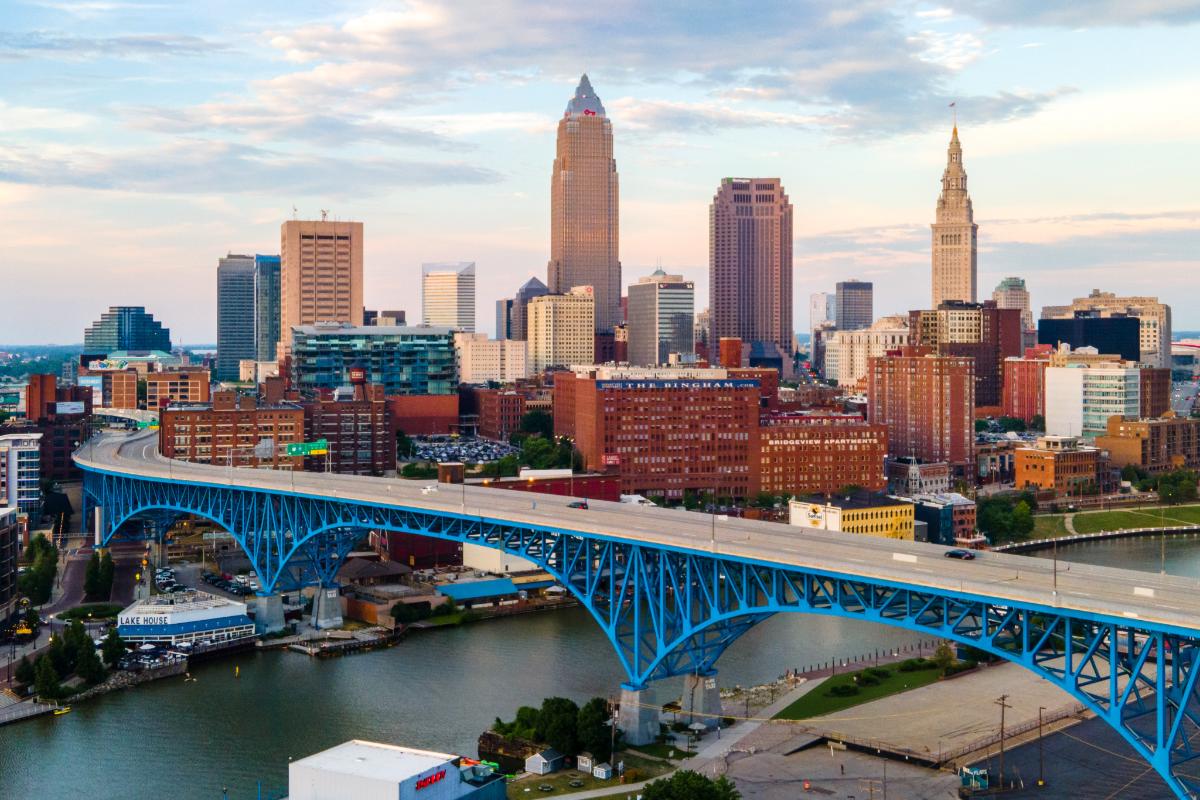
x: 436, y: 690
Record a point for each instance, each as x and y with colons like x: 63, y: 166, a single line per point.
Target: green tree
x: 45, y: 680
x: 404, y: 445
x: 91, y: 579
x: 558, y: 724
x: 593, y: 729
x: 1131, y: 473
x: 537, y: 452
x: 107, y: 573
x: 981, y: 425
x: 113, y: 647
x: 765, y: 500
x: 25, y: 673
x: 59, y: 655
x: 1022, y: 520
x: 1012, y: 424
x: 88, y: 666
x: 1037, y: 423
x: 688, y: 785
x: 943, y: 656
x: 538, y: 422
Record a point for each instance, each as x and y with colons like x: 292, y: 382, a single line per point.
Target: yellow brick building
x: 863, y: 512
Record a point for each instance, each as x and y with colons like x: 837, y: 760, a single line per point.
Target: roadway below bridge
x: 1116, y: 594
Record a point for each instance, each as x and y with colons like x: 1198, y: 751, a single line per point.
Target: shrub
x: 879, y: 672
x: 867, y: 680
x: 916, y: 664
x: 842, y: 690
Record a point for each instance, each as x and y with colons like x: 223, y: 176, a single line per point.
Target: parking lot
x: 447, y: 448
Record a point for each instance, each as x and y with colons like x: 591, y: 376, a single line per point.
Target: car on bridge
x: 960, y: 554
x: 578, y: 504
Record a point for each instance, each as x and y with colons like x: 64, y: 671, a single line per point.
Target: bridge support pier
x: 327, y: 608
x: 701, y: 699
x: 268, y: 613
x: 638, y: 717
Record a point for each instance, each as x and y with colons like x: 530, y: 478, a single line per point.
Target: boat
x: 58, y: 712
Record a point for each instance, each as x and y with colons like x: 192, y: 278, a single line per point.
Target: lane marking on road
x: 1142, y: 591
x: 906, y: 557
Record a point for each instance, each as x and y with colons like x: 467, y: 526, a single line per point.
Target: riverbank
x: 1035, y: 545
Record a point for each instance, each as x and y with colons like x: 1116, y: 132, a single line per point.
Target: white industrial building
x: 1081, y: 397
x: 184, y: 618
x: 374, y: 771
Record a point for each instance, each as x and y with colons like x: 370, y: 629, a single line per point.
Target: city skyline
x: 1080, y: 165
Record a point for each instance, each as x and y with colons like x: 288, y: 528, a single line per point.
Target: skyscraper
x: 584, y: 230
x: 750, y: 262
x: 504, y: 311
x: 822, y: 307
x: 235, y: 314
x: 266, y: 307
x: 562, y: 329
x: 954, y: 233
x: 1154, y: 320
x: 126, y: 328
x: 661, y: 311
x: 321, y: 274
x: 448, y: 295
x: 854, y: 305
x: 1011, y: 293
x: 520, y: 311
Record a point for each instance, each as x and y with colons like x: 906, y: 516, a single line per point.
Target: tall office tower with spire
x: 750, y: 262
x: 321, y: 275
x: 954, y: 233
x: 584, y: 230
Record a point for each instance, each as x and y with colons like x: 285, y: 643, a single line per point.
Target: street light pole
x: 1041, y: 760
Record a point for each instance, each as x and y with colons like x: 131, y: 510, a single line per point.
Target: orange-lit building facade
x: 1024, y: 393
x: 184, y: 386
x: 500, y: 412
x: 1156, y: 445
x: 424, y: 414
x: 1155, y: 391
x: 1062, y: 465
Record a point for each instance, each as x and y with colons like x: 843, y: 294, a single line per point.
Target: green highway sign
x: 147, y: 423
x: 318, y: 448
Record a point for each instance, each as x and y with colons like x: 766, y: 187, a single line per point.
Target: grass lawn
x: 662, y: 750
x: 97, y: 610
x: 1048, y: 526
x: 818, y: 702
x: 1096, y: 521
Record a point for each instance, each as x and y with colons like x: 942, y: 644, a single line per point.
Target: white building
x: 1081, y: 397
x: 21, y: 471
x: 448, y: 295
x: 848, y: 353
x: 481, y: 359
x: 375, y: 771
x: 184, y: 618
x: 497, y: 562
x: 561, y: 329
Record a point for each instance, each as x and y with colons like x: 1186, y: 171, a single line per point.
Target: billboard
x: 73, y: 407
x: 96, y: 383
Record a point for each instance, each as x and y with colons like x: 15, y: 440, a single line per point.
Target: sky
x: 141, y: 141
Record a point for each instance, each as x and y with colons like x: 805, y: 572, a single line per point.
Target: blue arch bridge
x: 672, y: 589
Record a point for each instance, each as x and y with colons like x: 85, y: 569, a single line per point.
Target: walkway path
x: 1069, y: 523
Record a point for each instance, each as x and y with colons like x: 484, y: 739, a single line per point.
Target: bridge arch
x: 670, y: 611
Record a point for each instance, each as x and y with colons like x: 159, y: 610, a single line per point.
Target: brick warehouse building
x: 927, y: 403
x: 979, y: 331
x: 821, y: 454
x: 228, y: 429
x: 664, y: 436
x: 358, y: 428
x: 500, y: 412
x: 1024, y: 393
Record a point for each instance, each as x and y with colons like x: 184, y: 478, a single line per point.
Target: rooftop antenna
x: 324, y: 214
x: 954, y: 105
x: 294, y: 212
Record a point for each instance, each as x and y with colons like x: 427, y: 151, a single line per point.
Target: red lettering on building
x: 430, y: 780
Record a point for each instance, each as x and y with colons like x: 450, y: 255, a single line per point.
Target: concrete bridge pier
x: 701, y: 699
x: 327, y: 608
x: 638, y: 716
x: 268, y: 613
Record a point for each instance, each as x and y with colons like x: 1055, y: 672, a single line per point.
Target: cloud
x: 1075, y: 14
x: 197, y: 166
x: 134, y: 46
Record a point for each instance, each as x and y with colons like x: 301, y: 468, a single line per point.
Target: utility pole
x: 1041, y: 759
x: 1002, y: 701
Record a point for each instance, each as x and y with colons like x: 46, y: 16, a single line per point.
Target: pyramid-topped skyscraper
x: 954, y: 233
x: 584, y: 229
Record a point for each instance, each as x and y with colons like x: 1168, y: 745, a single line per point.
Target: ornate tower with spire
x: 584, y: 231
x: 954, y: 233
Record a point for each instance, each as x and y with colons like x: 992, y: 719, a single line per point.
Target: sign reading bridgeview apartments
x: 741, y: 383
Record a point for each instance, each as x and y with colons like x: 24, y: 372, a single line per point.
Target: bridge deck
x: 1159, y: 600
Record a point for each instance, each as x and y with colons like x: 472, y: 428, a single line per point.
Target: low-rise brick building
x: 358, y: 428
x: 500, y: 412
x: 1061, y: 464
x: 1156, y: 445
x: 806, y: 454
x: 182, y: 386
x: 227, y: 431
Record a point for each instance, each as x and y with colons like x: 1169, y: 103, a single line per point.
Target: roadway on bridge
x: 1114, y: 593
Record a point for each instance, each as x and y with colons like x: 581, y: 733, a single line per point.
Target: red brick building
x: 821, y: 454
x: 500, y: 412
x: 664, y: 436
x: 228, y: 429
x: 1155, y: 391
x: 358, y: 429
x: 1024, y: 388
x: 424, y: 414
x: 980, y: 331
x: 927, y: 403
x: 592, y: 485
x: 182, y: 386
